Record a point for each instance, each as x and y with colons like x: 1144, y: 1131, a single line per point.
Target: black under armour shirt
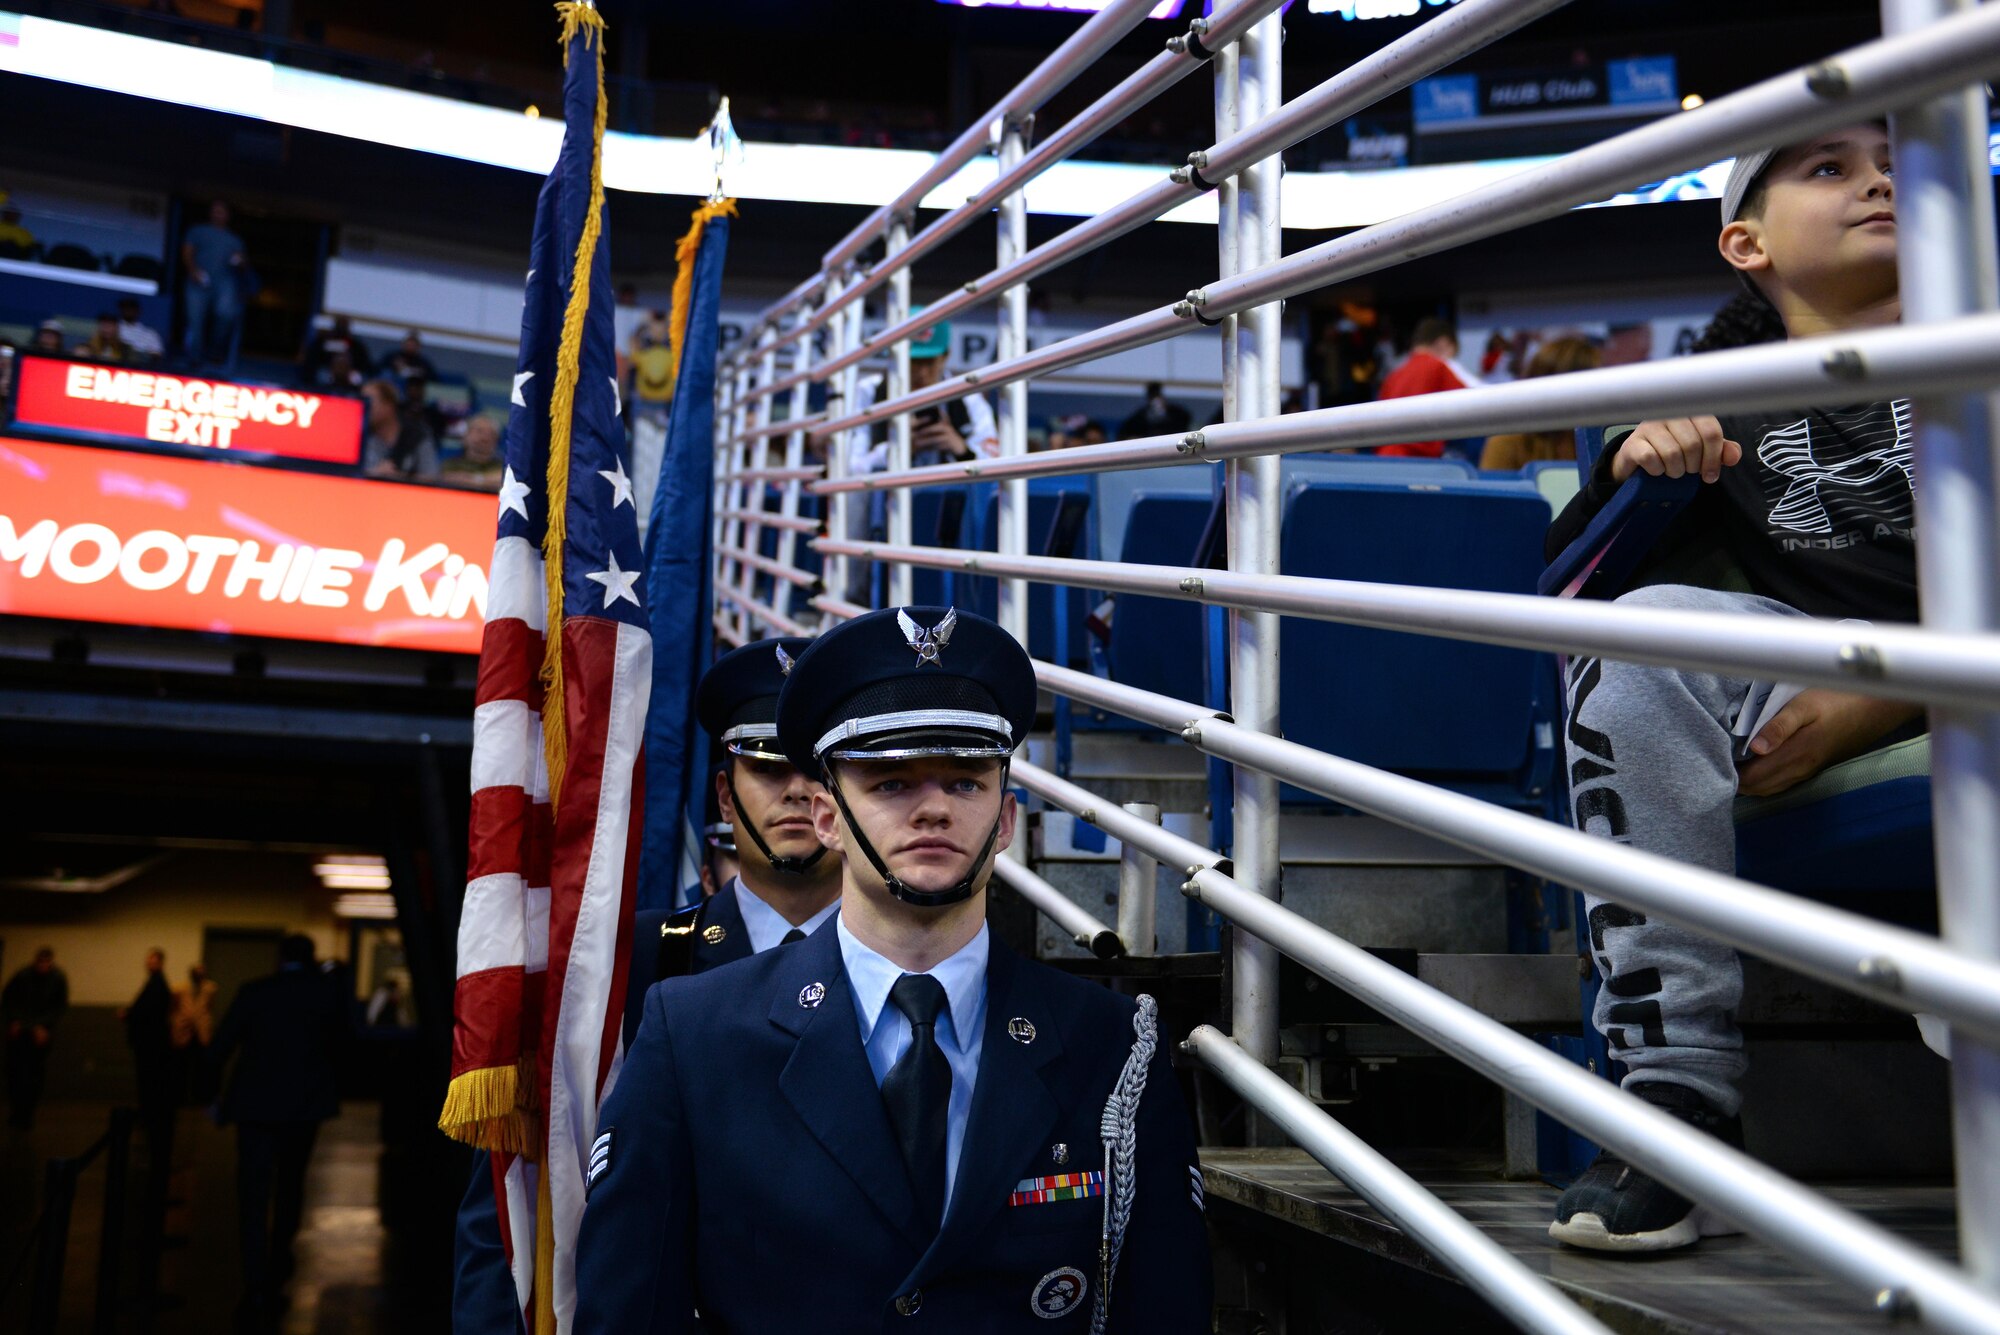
x: 1818, y: 515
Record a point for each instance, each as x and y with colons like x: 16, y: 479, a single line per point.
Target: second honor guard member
x: 787, y: 886
x: 898, y: 1124
x: 787, y: 883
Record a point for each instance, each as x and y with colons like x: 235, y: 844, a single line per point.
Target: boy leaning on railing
x: 1804, y: 513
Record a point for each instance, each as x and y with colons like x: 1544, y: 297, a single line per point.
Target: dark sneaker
x: 1615, y: 1207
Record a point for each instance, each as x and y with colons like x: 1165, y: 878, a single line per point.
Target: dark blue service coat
x: 752, y: 1173
x: 285, y: 1030
x: 483, y: 1295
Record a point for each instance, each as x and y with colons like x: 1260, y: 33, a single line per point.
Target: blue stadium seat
x: 1472, y: 717
x: 1113, y: 495
x: 1156, y: 643
x: 981, y: 594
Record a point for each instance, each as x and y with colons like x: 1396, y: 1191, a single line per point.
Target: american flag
x: 556, y: 760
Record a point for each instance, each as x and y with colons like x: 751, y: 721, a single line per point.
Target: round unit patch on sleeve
x: 1059, y: 1293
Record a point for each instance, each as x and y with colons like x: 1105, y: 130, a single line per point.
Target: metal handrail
x: 1138, y: 89
x: 1949, y: 355
x: 1060, y: 909
x: 1487, y: 1268
x: 1076, y: 54
x: 1440, y: 41
x: 774, y: 519
x: 1891, y: 965
x: 1943, y: 357
x: 1895, y: 662
x: 805, y: 579
x: 768, y: 615
x: 1902, y: 1278
x: 1867, y: 80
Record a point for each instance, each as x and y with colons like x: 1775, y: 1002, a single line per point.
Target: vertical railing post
x: 838, y: 388
x: 1946, y: 266
x: 795, y: 457
x: 857, y: 506
x: 750, y: 532
x: 1011, y: 340
x: 111, y: 1234
x: 725, y: 414
x: 729, y: 574
x: 896, y: 501
x: 58, y: 1196
x: 1203, y: 927
x: 1138, y: 890
x: 1254, y: 497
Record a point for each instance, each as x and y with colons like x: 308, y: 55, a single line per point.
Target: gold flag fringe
x: 686, y: 250
x: 483, y: 1108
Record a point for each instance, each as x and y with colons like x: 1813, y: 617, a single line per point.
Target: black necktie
x: 794, y: 935
x: 917, y: 1091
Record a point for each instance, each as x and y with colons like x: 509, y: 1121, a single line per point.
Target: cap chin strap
x: 789, y: 866
x: 928, y: 899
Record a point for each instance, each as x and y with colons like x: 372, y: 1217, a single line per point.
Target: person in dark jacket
x: 284, y: 1031
x: 148, y: 1028
x: 34, y: 1001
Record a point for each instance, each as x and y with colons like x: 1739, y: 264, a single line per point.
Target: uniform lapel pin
x: 812, y: 994
x: 1021, y: 1029
x: 1060, y: 1153
x: 715, y: 934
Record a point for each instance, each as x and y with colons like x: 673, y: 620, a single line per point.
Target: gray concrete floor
x: 349, y: 1280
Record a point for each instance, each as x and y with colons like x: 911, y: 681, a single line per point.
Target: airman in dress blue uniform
x: 787, y: 886
x: 898, y: 1124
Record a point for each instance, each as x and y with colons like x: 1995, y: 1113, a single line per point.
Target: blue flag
x: 678, y: 577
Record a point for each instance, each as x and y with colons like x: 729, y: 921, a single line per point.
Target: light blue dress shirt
x: 961, y: 1030
x: 767, y: 926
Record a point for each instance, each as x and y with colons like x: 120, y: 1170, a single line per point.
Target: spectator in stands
x: 16, y: 241
x: 338, y: 343
x: 626, y: 317
x: 285, y: 1030
x: 212, y: 282
x: 408, y: 361
x: 417, y: 404
x: 49, y: 338
x: 1558, y: 356
x: 960, y: 428
x: 340, y: 374
x: 142, y: 342
x: 31, y: 1007
x: 1067, y: 431
x: 480, y: 466
x: 653, y: 369
x: 1813, y: 508
x: 1156, y: 417
x: 396, y: 445
x: 104, y: 344
x: 1429, y: 369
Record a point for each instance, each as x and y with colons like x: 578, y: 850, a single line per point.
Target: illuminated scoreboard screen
x: 91, y: 534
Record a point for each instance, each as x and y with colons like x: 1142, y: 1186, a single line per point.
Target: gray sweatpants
x: 1652, y: 764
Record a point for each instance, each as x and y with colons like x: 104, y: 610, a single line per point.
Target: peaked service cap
x: 737, y: 701
x: 908, y: 681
